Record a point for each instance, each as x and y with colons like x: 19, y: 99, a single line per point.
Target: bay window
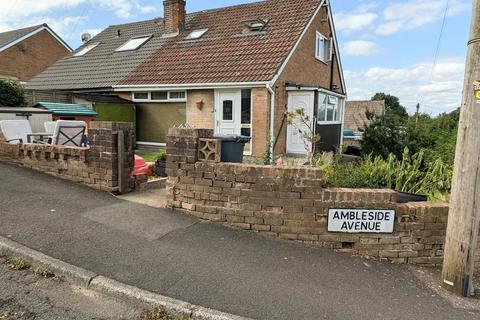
x: 330, y: 108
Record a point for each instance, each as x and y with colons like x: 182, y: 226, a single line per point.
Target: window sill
x: 323, y: 123
x: 322, y: 61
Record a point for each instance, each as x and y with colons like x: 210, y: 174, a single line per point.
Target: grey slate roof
x: 101, y: 67
x: 11, y: 36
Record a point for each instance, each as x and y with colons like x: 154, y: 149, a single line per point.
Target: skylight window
x: 196, y: 34
x: 134, y: 43
x: 86, y: 49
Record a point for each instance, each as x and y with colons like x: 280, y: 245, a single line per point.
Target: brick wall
x: 260, y: 120
x: 97, y: 166
x: 204, y: 117
x: 174, y: 15
x: 291, y: 204
x: 31, y: 56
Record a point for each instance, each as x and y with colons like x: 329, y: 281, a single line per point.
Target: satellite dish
x: 86, y: 37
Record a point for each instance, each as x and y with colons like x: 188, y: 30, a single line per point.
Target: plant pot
x: 160, y: 168
x: 404, y: 197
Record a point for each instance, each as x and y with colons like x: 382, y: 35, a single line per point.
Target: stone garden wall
x: 96, y: 166
x: 291, y: 204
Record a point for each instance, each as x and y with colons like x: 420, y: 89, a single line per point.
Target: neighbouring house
x: 356, y: 113
x: 26, y: 52
x: 236, y: 70
x: 68, y: 111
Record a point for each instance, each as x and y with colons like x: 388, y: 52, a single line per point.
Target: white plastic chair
x: 69, y: 133
x: 16, y: 131
x: 50, y: 126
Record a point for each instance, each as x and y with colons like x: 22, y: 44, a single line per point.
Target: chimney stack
x: 174, y: 16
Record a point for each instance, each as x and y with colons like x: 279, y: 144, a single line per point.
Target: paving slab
x: 206, y: 264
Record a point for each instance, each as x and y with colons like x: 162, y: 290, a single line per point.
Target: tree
x: 392, y: 105
x: 304, y: 128
x: 11, y: 93
x: 384, y: 135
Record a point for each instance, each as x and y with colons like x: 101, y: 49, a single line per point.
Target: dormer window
x: 196, y: 34
x: 134, y: 43
x: 86, y: 49
x: 256, y: 25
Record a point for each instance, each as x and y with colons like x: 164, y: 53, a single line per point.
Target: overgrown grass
x: 160, y: 314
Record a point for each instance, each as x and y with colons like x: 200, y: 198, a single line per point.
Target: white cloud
x: 408, y: 15
x: 92, y: 32
x: 20, y: 13
x: 350, y: 22
x: 148, y: 9
x: 361, y: 48
x: 396, y: 16
x: 440, y: 91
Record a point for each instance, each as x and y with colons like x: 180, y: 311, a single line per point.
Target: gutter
x: 272, y: 120
x: 188, y: 86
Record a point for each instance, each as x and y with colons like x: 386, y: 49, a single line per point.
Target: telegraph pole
x: 464, y: 215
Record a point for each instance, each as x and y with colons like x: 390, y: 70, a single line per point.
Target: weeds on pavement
x: 159, y: 314
x: 20, y: 265
x: 17, y: 264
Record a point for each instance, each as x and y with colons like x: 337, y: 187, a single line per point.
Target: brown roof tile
x: 224, y: 53
x: 355, y: 113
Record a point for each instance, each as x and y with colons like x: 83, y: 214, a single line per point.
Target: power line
x: 437, y: 50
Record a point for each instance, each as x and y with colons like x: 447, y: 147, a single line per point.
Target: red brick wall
x: 174, y: 15
x: 204, y: 117
x: 290, y: 203
x: 260, y: 121
x: 31, y: 56
x: 303, y: 67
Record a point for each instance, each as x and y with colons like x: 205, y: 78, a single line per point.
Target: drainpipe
x: 272, y: 120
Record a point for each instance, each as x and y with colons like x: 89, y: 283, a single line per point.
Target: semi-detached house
x: 236, y: 70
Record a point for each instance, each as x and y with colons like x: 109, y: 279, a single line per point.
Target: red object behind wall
x: 141, y: 167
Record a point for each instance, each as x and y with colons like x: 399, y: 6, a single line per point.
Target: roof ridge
x: 135, y: 22
x: 34, y: 27
x: 229, y: 7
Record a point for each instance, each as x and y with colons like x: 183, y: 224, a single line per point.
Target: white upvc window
x: 141, y: 96
x: 323, y: 48
x: 134, y: 43
x: 86, y: 49
x: 177, y: 95
x: 160, y: 96
x: 330, y: 109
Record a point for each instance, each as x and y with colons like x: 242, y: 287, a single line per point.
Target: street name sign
x: 361, y: 220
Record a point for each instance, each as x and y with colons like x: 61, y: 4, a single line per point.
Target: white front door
x: 228, y: 111
x: 298, y: 100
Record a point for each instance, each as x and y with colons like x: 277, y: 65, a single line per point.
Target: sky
x: 385, y: 45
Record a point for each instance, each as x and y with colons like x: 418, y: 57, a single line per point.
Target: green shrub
x: 162, y: 156
x: 410, y: 174
x: 12, y: 93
